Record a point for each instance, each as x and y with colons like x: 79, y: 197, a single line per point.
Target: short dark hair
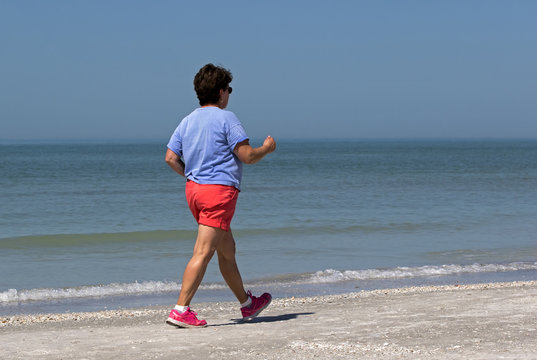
x: 209, y: 81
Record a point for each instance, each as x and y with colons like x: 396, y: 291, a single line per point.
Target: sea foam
x: 320, y: 277
x: 114, y: 289
x: 333, y: 276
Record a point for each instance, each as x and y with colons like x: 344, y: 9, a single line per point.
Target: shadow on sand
x: 261, y: 319
x: 275, y: 318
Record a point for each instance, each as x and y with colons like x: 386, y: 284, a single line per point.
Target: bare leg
x: 206, y: 244
x: 228, y: 266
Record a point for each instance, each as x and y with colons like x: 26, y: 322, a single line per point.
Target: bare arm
x: 250, y: 155
x: 175, y: 162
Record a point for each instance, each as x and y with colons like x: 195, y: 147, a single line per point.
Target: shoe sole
x: 258, y: 312
x: 180, y: 324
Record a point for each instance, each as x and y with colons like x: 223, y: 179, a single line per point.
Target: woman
x: 208, y: 148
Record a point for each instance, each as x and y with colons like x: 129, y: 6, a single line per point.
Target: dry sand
x: 485, y: 321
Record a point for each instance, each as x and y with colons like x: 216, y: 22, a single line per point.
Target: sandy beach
x: 483, y: 321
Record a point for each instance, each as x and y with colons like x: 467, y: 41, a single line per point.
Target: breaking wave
x: 320, y: 277
x: 114, y: 289
x: 332, y: 276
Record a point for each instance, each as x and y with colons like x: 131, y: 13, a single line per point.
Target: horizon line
x: 301, y: 139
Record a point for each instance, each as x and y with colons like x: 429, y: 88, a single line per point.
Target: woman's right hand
x: 270, y: 144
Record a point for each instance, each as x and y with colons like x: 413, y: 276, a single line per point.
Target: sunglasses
x: 229, y: 89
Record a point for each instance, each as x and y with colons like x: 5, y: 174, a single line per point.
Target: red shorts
x: 212, y: 205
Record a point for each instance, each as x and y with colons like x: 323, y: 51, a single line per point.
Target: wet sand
x: 483, y: 321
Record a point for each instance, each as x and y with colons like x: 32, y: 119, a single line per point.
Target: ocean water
x: 95, y: 226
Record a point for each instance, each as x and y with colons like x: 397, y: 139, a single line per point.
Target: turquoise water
x: 97, y: 225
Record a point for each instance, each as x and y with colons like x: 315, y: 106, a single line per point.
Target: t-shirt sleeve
x: 236, y: 132
x: 175, y: 143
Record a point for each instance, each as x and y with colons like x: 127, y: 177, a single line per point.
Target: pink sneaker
x: 185, y: 320
x: 258, y: 304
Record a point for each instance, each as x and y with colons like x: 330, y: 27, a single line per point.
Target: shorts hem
x: 215, y: 224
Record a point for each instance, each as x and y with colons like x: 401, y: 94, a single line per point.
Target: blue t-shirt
x: 205, y: 140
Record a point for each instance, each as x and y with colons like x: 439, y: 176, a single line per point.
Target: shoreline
x: 488, y: 320
x: 136, y: 312
x: 158, y: 293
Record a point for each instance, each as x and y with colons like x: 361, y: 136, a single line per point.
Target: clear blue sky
x: 302, y: 69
